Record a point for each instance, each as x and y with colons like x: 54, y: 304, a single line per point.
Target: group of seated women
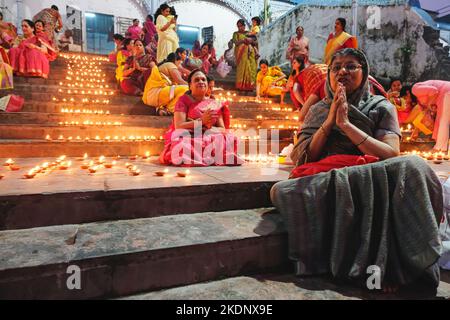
x: 28, y: 55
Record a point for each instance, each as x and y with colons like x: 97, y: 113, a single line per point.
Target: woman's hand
x: 339, y: 98
x: 207, y: 119
x: 342, y: 120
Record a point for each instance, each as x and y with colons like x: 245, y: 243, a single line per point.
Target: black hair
x: 405, y: 89
x: 241, y: 21
x: 257, y: 19
x: 210, y: 78
x: 343, y: 22
x: 39, y: 20
x: 264, y: 61
x: 393, y: 80
x: 150, y: 17
x: 171, y: 57
x: 191, y: 75
x: 179, y: 51
x: 125, y: 43
x: 134, y: 20
x: 118, y: 36
x: 205, y: 44
x: 301, y: 61
x: 161, y: 8
x: 1, y: 15
x: 30, y: 23
x: 299, y: 27
x: 55, y: 8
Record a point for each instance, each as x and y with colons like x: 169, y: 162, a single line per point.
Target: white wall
x: 204, y: 14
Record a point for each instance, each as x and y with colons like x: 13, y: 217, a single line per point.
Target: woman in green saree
x: 245, y: 59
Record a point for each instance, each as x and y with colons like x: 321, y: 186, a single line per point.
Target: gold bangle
x: 365, y: 139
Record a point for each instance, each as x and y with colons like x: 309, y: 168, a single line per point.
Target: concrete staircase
x: 127, y: 234
x: 140, y: 237
x: 55, y: 121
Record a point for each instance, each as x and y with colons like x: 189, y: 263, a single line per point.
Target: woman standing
x: 298, y: 47
x: 168, y: 41
x: 149, y: 30
x: 137, y: 70
x: 134, y: 31
x: 339, y: 40
x: 245, y: 59
x: 29, y: 58
x: 194, y: 112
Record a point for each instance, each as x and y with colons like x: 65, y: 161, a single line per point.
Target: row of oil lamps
x: 105, y: 139
x: 85, y: 111
x: 89, y: 123
x: 84, y: 100
x: 92, y: 166
x: 88, y: 92
x: 428, y: 155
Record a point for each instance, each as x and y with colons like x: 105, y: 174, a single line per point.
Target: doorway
x: 99, y: 33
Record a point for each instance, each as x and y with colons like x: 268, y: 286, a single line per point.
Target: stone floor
x: 285, y: 287
x: 119, y: 178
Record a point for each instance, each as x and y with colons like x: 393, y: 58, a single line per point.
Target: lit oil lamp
x: 93, y: 169
x: 8, y: 162
x: 162, y: 173
x: 183, y: 174
x: 30, y: 175
x: 65, y: 165
x: 109, y: 165
x: 133, y: 157
x: 146, y: 156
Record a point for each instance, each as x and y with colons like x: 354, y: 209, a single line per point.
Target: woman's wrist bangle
x: 365, y: 139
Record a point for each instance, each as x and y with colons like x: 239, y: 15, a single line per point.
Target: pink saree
x: 29, y: 62
x: 204, y: 148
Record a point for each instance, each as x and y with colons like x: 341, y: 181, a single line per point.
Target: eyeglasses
x: 351, y: 67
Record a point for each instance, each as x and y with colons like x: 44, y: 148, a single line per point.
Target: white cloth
x: 168, y: 41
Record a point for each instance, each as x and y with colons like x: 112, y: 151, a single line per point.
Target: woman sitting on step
x: 380, y: 216
x: 171, y: 68
x: 29, y: 57
x: 197, y: 136
x: 136, y: 71
x: 270, y: 81
x: 161, y: 93
x: 52, y: 51
x: 123, y: 54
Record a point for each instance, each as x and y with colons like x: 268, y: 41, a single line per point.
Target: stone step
x: 33, y: 148
x: 25, y: 118
x: 127, y: 257
x: 283, y: 286
x: 55, y: 118
x: 135, y: 106
x: 36, y: 131
x: 112, y: 83
x: 76, y: 196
